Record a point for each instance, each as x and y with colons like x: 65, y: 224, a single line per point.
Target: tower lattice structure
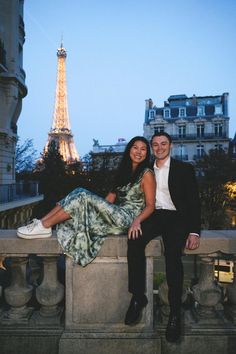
x: 61, y: 131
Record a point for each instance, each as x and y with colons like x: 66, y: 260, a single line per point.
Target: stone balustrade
x: 85, y: 313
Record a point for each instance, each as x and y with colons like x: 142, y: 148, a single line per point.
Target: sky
x: 119, y: 53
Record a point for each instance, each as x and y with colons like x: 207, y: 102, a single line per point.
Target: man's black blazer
x: 184, y: 194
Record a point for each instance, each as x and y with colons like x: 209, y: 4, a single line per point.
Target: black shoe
x: 173, y: 329
x: 134, y: 313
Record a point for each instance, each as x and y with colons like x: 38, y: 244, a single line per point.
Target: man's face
x: 161, y: 147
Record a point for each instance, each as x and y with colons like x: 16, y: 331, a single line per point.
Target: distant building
x: 196, y: 124
x: 107, y: 156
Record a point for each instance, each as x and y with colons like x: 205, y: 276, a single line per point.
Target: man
x: 177, y: 219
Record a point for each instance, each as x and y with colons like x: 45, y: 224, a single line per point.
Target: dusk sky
x: 119, y: 53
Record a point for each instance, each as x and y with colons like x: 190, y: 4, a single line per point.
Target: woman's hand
x: 135, y: 230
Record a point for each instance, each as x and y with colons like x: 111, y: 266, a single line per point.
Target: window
x: 166, y: 113
x: 218, y: 129
x: 182, y: 131
x: 200, y: 150
x: 151, y: 114
x: 218, y: 109
x: 159, y: 129
x: 201, y: 111
x: 182, y: 152
x: 218, y: 146
x: 200, y: 130
x: 182, y: 112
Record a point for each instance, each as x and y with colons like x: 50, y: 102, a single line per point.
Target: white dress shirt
x: 163, y: 198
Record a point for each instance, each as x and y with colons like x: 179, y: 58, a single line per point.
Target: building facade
x: 197, y: 124
x: 107, y: 156
x: 12, y: 83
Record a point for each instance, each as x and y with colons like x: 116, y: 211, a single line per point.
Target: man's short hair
x: 162, y: 134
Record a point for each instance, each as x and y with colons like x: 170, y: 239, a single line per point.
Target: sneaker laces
x: 32, y: 224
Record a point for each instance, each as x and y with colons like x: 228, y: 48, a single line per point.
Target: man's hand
x: 193, y: 242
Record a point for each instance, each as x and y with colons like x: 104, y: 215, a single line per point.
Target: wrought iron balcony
x: 196, y: 137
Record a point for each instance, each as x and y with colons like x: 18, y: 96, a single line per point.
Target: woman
x: 84, y: 219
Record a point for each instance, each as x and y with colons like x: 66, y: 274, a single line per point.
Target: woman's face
x: 138, y: 152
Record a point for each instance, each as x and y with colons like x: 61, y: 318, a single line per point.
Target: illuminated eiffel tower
x: 61, y: 131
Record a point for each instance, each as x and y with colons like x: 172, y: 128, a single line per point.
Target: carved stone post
x: 18, y: 293
x: 164, y: 302
x: 207, y: 292
x: 231, y: 292
x: 50, y: 292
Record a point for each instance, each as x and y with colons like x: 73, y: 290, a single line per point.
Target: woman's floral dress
x: 93, y: 218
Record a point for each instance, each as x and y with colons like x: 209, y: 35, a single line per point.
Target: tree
x: 215, y: 169
x: 51, y: 172
x: 25, y: 156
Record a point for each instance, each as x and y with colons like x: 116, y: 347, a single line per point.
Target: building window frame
x: 182, y: 111
x: 200, y: 130
x: 200, y: 150
x: 218, y: 109
x: 218, y: 128
x: 200, y: 111
x: 182, y: 130
x: 167, y: 113
x: 159, y: 129
x: 151, y: 114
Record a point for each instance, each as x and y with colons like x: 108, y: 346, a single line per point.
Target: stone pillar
x: 207, y: 292
x: 231, y: 292
x: 18, y: 293
x: 50, y: 293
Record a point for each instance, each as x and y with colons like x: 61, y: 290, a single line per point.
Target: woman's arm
x: 148, y: 184
x: 111, y: 197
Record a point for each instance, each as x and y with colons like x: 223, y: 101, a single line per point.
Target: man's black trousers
x: 172, y: 227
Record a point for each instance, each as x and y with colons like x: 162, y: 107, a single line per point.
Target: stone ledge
x: 212, y: 241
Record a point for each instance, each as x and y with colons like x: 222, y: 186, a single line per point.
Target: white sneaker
x: 34, y: 230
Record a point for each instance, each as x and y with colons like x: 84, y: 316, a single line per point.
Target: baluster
x: 50, y: 292
x: 18, y: 293
x: 231, y: 292
x: 207, y: 292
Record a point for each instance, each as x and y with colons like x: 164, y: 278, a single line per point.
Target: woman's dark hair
x: 124, y: 173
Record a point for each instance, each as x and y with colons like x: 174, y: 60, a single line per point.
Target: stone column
x: 231, y: 292
x: 207, y: 292
x: 18, y: 293
x: 50, y: 292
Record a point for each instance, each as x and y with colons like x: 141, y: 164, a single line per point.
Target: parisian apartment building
x: 196, y: 124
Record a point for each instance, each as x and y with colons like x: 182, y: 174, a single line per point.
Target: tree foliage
x: 215, y: 169
x: 25, y: 156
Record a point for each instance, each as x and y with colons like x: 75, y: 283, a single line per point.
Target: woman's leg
x: 55, y: 216
x: 51, y: 212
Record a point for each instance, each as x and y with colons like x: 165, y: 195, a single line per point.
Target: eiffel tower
x: 61, y: 131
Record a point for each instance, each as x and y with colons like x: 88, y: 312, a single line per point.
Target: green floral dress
x: 93, y: 218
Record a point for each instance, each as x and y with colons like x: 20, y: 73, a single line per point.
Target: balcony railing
x: 206, y: 136
x: 21, y: 190
x: 96, y: 299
